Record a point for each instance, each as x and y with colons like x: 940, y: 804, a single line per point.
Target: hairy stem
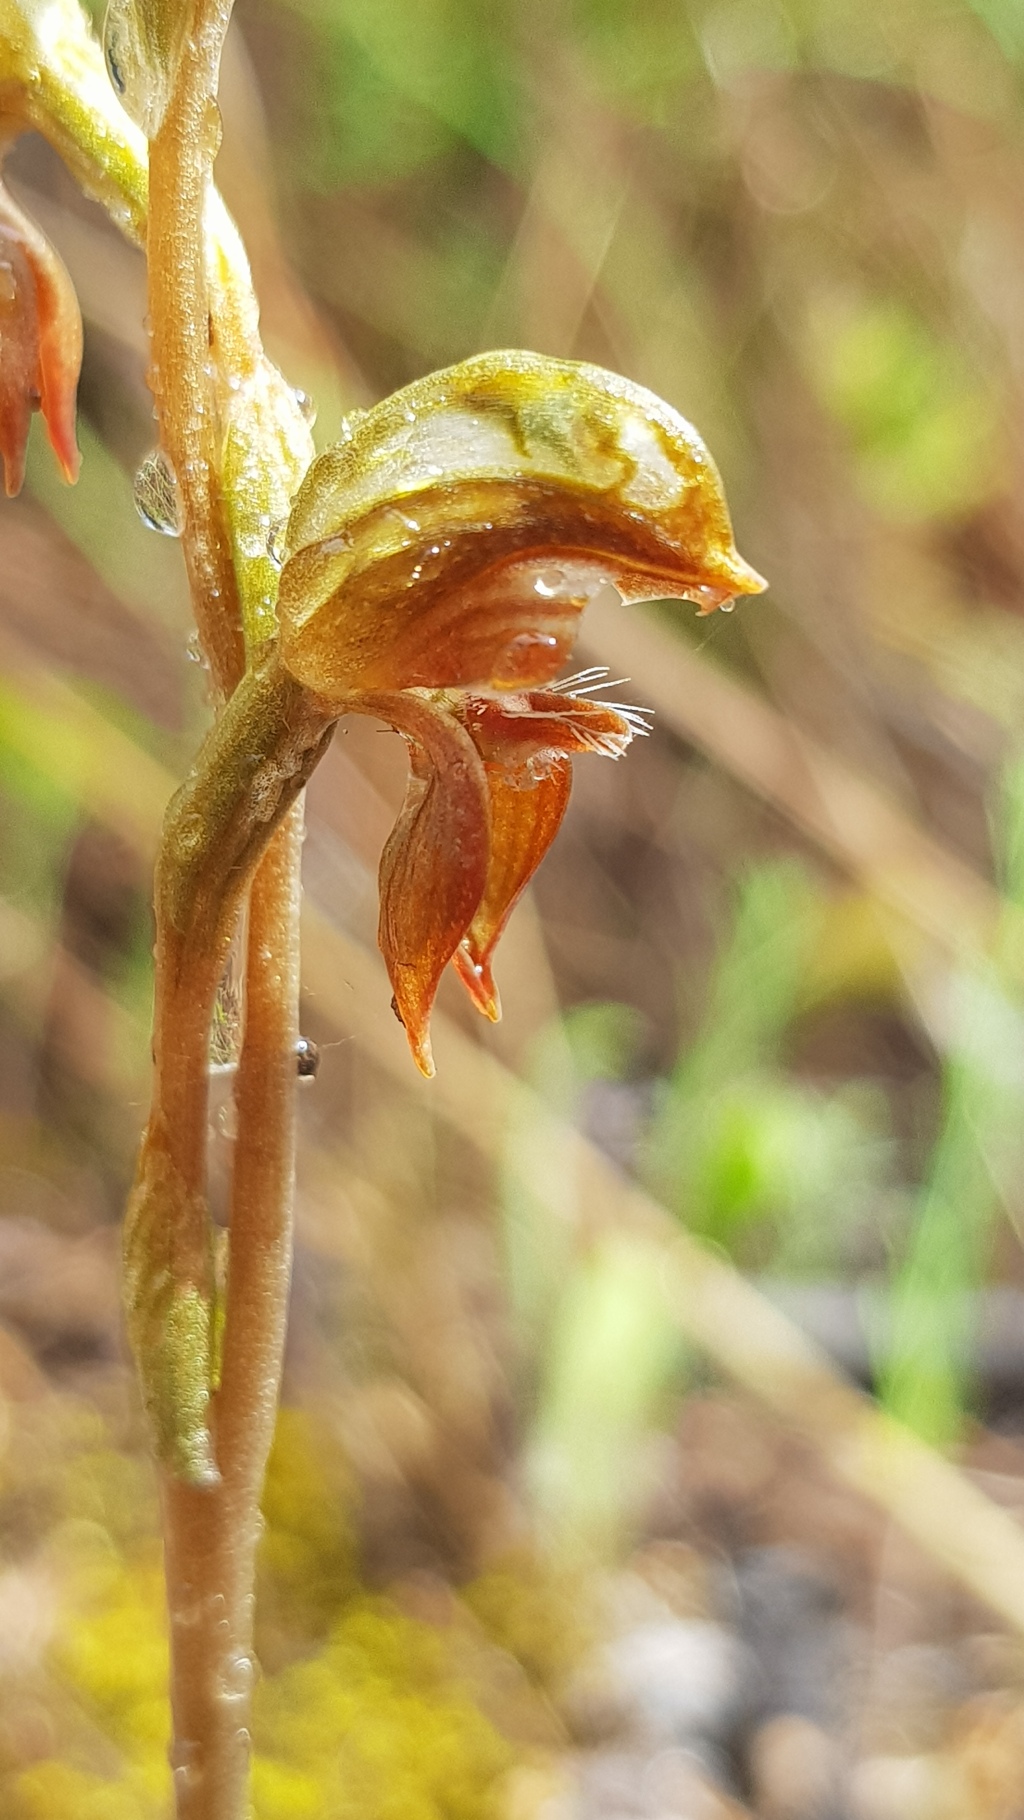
x: 212, y: 1534
x: 181, y: 371
x: 238, y: 447
x: 236, y: 815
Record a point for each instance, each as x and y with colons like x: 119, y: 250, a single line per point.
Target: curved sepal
x: 40, y: 345
x: 434, y: 866
x: 526, y: 814
x: 526, y: 742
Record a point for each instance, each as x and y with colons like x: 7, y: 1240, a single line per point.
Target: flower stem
x: 181, y: 370
x: 238, y: 814
x: 212, y: 1534
x: 256, y: 760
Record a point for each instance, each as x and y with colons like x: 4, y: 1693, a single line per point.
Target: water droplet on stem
x: 155, y: 492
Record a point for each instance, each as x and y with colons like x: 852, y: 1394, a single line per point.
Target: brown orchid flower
x: 40, y: 345
x: 437, y: 564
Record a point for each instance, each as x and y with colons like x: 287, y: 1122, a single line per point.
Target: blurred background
x: 565, y: 1520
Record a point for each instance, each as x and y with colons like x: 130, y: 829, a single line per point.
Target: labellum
x: 436, y: 567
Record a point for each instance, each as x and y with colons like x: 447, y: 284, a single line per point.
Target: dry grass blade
x: 852, y: 820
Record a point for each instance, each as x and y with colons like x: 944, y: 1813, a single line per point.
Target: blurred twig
x: 906, y: 868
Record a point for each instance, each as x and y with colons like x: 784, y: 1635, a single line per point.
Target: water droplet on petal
x: 276, y: 541
x: 707, y: 598
x: 307, y: 407
x: 307, y: 1058
x: 155, y: 492
x: 194, y: 651
x: 549, y: 583
x: 349, y: 424
x: 532, y: 657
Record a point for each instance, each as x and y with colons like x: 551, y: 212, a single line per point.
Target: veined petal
x: 434, y: 867
x: 19, y: 358
x: 525, y: 741
x: 456, y: 536
x: 40, y: 344
x: 526, y: 813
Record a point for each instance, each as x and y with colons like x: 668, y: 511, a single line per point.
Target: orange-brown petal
x: 434, y: 867
x: 40, y: 344
x: 526, y: 813
x: 526, y: 741
x: 19, y: 357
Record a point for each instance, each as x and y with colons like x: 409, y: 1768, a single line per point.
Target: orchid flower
x: 435, y: 568
x: 40, y: 345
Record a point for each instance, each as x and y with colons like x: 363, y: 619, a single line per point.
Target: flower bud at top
x: 40, y: 345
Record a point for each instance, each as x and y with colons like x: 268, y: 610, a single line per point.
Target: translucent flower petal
x: 19, y: 358
x: 526, y: 813
x: 526, y: 741
x: 434, y: 867
x: 40, y: 345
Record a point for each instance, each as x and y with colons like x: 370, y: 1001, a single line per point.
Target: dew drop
x: 186, y: 1770
x: 227, y: 1121
x: 236, y: 1681
x: 155, y: 492
x: 276, y: 541
x: 549, y: 583
x: 708, y: 598
x: 307, y: 1058
x: 212, y: 129
x: 307, y: 406
x: 349, y: 425
x: 194, y: 651
x: 533, y: 657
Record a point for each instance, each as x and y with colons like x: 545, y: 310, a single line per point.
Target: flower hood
x: 436, y: 566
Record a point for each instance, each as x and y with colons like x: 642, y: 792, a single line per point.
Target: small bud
x: 40, y: 345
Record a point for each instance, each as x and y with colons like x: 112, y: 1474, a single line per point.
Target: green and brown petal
x: 436, y: 567
x: 414, y: 549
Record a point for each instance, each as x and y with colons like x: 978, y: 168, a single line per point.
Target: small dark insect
x: 307, y: 1058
